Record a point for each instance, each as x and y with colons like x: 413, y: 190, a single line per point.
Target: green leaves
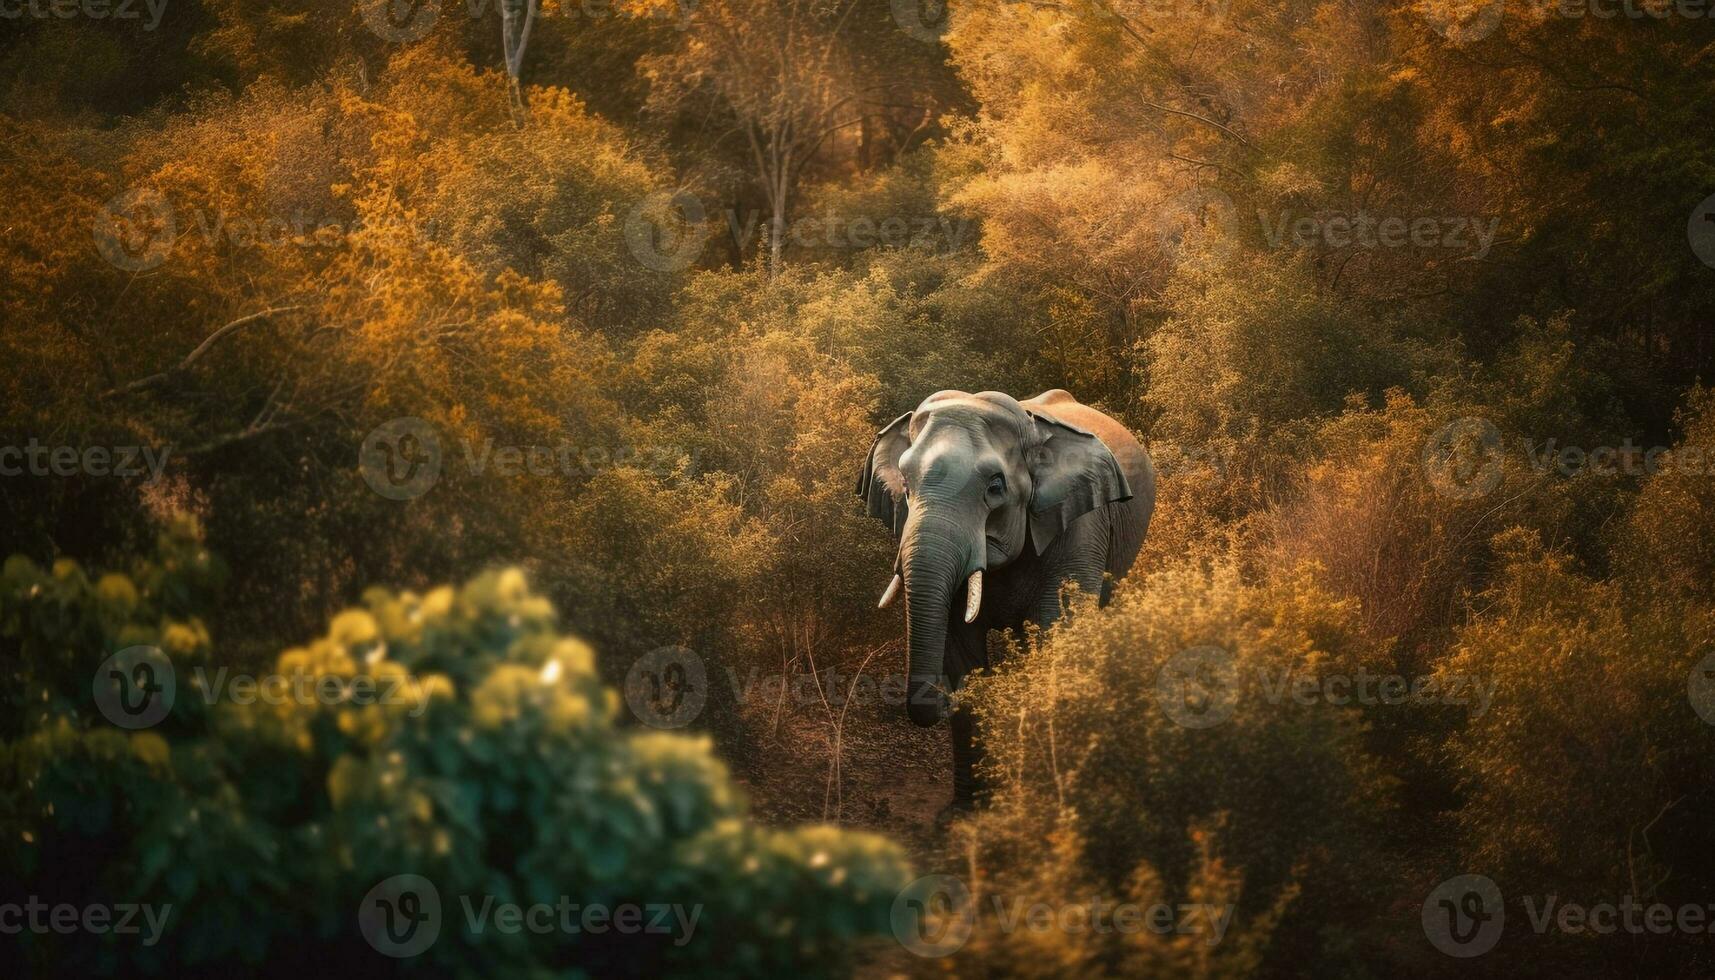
x: 494, y: 770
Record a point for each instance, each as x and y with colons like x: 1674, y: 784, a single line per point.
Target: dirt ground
x: 894, y: 778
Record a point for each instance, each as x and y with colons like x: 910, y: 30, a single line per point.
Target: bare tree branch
x: 201, y: 349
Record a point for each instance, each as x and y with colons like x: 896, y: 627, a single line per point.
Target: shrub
x: 1666, y: 540
x: 1398, y: 526
x: 1589, y: 777
x: 486, y: 760
x: 1276, y: 808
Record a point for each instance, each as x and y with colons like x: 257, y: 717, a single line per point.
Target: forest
x: 429, y: 432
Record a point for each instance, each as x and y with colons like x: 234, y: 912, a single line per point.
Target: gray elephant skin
x: 995, y: 504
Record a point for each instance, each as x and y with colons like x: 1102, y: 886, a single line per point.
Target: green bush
x: 486, y: 759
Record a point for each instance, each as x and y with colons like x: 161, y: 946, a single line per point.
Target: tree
x: 783, y: 74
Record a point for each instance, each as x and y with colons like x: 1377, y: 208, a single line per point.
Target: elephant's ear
x: 881, y: 485
x: 1073, y: 473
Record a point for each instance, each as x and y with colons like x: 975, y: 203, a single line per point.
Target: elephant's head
x: 967, y: 482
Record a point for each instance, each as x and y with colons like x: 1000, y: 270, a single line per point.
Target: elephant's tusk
x: 892, y: 590
x: 973, y: 595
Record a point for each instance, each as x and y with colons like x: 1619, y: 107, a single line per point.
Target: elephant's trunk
x: 936, y: 554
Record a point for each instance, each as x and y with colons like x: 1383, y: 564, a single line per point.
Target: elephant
x: 995, y: 505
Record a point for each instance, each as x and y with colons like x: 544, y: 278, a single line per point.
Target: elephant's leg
x: 1078, y: 555
x: 966, y: 754
x: 966, y: 654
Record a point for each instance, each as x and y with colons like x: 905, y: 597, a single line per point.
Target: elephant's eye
x: 997, y: 485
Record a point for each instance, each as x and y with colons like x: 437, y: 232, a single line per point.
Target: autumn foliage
x: 1408, y: 299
